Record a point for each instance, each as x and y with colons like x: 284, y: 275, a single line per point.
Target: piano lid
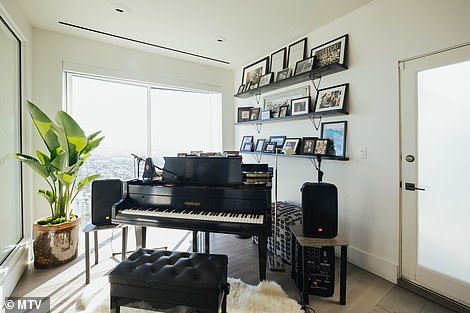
x: 203, y: 170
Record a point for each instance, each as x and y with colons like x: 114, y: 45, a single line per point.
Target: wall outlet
x: 363, y: 153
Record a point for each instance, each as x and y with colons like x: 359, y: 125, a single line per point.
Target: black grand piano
x: 202, y: 194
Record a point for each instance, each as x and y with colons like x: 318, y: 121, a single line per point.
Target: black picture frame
x: 244, y: 114
x: 260, y: 143
x: 279, y: 140
x: 283, y: 110
x: 290, y: 145
x: 254, y: 114
x: 332, y: 98
x: 336, y: 132
x: 305, y: 65
x: 270, y: 147
x: 241, y: 89
x: 296, y: 52
x: 266, y: 79
x: 252, y: 72
x: 247, y: 86
x: 278, y: 60
x: 333, y: 51
x: 245, y: 140
x: 300, y: 105
x: 308, y: 145
x: 285, y: 73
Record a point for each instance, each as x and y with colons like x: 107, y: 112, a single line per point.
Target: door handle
x: 412, y: 187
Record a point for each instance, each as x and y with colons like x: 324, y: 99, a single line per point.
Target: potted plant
x: 56, y: 236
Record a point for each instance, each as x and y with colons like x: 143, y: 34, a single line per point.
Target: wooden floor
x: 365, y: 292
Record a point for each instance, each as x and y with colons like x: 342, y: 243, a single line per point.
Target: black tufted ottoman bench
x: 165, y: 279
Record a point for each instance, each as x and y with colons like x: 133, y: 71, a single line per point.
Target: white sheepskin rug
x: 266, y: 297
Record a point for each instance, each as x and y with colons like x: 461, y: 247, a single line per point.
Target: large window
x: 10, y: 169
x: 142, y: 119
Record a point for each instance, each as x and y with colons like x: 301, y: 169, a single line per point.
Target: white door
x: 435, y: 177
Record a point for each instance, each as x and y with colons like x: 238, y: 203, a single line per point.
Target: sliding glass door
x: 11, y: 231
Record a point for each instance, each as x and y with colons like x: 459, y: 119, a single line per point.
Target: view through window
x: 142, y: 119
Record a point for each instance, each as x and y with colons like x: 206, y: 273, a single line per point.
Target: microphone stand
x: 275, y: 262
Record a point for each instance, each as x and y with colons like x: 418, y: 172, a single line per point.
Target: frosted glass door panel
x: 444, y: 170
x: 10, y: 173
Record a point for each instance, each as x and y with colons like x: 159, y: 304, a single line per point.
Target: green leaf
x: 92, y: 145
x: 49, y: 195
x: 34, y: 164
x: 74, y: 133
x: 86, y: 181
x: 44, y: 126
x: 92, y: 136
x: 45, y: 160
x: 59, y: 161
x: 65, y: 178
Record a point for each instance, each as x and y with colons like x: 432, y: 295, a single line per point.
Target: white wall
x: 13, y: 267
x: 54, y: 51
x: 380, y: 34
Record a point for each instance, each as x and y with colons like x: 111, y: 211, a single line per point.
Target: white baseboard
x: 374, y: 264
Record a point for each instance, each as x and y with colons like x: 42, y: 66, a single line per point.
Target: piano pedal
x: 275, y: 264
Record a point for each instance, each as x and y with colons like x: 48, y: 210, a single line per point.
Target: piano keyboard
x: 197, y: 215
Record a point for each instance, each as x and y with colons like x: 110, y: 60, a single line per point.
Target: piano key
x: 196, y: 215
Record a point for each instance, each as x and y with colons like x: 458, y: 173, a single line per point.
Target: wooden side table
x: 93, y: 228
x: 299, y: 239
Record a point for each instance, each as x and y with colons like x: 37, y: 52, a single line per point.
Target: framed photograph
x: 260, y: 145
x: 241, y: 89
x: 308, y: 145
x: 297, y: 52
x: 290, y: 146
x: 300, y: 105
x: 336, y: 132
x: 278, y: 60
x: 253, y: 85
x: 331, y: 98
x: 245, y: 140
x: 254, y: 71
x: 265, y: 79
x: 304, y: 65
x: 270, y: 147
x: 247, y: 147
x: 285, y: 73
x: 274, y: 101
x: 283, y: 110
x: 254, y: 114
x: 278, y: 140
x: 321, y: 146
x: 244, y: 114
x: 333, y: 51
x: 265, y: 114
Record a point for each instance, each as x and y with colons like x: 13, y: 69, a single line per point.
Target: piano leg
x: 141, y: 236
x: 195, y: 241
x: 207, y: 244
x: 262, y: 256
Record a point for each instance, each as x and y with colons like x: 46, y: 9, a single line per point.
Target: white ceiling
x: 251, y: 28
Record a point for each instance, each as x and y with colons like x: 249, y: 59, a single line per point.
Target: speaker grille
x: 104, y: 193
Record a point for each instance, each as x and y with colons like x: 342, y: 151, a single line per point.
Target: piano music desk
x: 303, y: 241
x: 94, y: 228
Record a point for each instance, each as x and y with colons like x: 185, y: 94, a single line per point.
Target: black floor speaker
x: 320, y: 210
x: 104, y: 193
